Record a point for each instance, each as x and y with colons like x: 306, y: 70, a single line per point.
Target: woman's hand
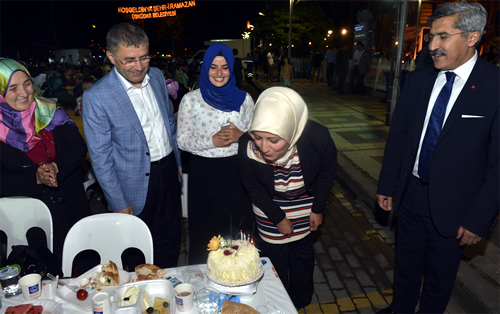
x: 285, y: 227
x: 315, y: 221
x: 226, y: 137
x: 47, y: 174
x: 54, y: 168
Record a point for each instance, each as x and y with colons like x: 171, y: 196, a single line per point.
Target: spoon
x: 228, y: 296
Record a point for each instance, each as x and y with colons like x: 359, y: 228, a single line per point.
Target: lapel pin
x: 473, y: 87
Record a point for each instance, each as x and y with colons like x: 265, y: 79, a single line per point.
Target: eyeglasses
x: 129, y: 63
x: 442, y: 36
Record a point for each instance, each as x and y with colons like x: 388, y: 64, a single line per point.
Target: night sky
x: 34, y: 28
x: 26, y: 25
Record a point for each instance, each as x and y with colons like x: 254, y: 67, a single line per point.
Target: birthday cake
x: 233, y: 262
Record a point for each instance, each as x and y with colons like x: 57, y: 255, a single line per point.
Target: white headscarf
x: 279, y: 111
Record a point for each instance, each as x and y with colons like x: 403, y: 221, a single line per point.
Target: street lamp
x: 344, y: 31
x: 290, y: 32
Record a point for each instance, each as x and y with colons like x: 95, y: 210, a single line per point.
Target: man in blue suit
x: 131, y: 135
x: 442, y: 154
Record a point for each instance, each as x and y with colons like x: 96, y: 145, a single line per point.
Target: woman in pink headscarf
x: 41, y: 150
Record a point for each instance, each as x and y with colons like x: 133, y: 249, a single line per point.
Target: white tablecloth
x: 270, y: 296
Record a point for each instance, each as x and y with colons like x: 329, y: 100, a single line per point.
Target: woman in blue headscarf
x: 210, y: 121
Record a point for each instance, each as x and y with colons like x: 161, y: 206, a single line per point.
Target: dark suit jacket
x: 318, y: 159
x: 464, y: 171
x: 365, y: 62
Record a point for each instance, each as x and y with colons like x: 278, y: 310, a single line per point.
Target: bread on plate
x: 109, y: 275
x: 148, y: 271
x: 230, y: 307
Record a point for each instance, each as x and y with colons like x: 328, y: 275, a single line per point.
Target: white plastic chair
x: 18, y: 214
x: 109, y: 235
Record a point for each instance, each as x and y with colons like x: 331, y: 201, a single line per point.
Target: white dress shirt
x: 147, y: 110
x: 356, y: 56
x: 197, y: 122
x: 462, y: 73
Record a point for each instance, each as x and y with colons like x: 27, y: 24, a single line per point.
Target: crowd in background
x: 52, y: 79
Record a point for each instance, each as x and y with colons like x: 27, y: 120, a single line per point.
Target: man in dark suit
x: 342, y: 65
x: 446, y: 170
x: 364, y: 63
x: 361, y: 66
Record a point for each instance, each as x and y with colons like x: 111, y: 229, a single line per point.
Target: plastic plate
x: 70, y: 296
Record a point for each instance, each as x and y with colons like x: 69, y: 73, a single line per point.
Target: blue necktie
x: 434, y: 127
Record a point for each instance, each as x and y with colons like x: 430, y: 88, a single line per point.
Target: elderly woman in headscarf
x: 41, y: 150
x: 287, y: 164
x: 210, y: 121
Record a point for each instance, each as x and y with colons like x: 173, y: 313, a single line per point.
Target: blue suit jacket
x: 464, y: 169
x: 117, y: 145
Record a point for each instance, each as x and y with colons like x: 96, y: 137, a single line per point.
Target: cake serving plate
x: 240, y: 291
x: 232, y: 284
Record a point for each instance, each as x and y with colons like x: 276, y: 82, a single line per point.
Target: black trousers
x: 294, y: 263
x: 422, y: 253
x: 354, y: 79
x: 342, y: 74
x: 361, y: 88
x: 162, y: 211
x: 330, y: 71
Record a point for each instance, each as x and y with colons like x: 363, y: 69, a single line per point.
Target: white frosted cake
x: 233, y: 262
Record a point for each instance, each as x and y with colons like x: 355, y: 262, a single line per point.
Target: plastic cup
x: 208, y: 301
x: 184, y: 297
x: 31, y: 285
x: 49, y: 290
x: 101, y: 303
x: 9, y: 280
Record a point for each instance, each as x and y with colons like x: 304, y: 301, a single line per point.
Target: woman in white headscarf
x: 287, y: 164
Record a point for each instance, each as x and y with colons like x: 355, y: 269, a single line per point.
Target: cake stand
x: 247, y: 288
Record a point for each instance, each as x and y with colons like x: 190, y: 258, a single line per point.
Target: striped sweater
x: 291, y: 197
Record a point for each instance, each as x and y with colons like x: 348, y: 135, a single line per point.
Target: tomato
x: 82, y: 295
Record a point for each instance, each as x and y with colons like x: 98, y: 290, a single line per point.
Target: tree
x: 167, y: 33
x: 309, y: 24
x: 172, y: 29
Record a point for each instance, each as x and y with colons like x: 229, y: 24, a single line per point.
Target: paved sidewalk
x: 355, y: 246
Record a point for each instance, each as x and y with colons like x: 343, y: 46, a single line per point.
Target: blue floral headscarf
x: 228, y: 97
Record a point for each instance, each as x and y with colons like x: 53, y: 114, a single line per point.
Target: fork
x: 56, y: 279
